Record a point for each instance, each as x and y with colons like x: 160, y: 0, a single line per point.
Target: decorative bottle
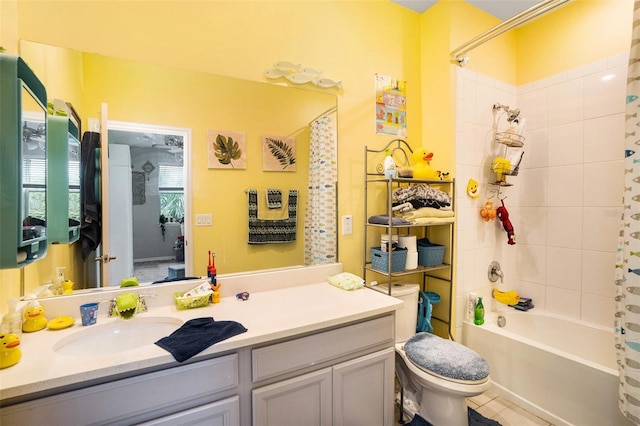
x: 479, y: 312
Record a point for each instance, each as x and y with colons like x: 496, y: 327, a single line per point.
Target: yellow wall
x: 349, y: 40
x: 578, y: 33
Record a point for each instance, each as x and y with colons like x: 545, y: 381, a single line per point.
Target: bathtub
x: 560, y: 369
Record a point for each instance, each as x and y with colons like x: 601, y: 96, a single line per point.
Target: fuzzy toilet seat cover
x: 446, y: 358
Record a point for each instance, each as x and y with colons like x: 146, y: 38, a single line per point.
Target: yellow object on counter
x: 67, y: 287
x: 34, y: 319
x: 10, y: 353
x: 60, y: 323
x: 506, y: 297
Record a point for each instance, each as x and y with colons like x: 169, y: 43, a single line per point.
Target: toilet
x: 436, y: 373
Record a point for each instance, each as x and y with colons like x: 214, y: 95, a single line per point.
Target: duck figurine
x: 10, y: 353
x: 421, y: 168
x: 34, y: 319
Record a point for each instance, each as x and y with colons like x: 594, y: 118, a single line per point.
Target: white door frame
x: 186, y: 134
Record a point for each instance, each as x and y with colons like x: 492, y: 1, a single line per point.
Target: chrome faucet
x: 494, y: 272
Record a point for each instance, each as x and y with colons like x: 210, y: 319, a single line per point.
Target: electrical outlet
x: 204, y: 220
x: 347, y: 224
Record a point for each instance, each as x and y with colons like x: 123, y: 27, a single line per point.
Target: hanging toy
x: 472, y: 188
x: 503, y: 215
x: 488, y: 212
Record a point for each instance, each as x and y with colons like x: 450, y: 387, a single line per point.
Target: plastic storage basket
x: 380, y: 259
x: 191, y: 302
x: 430, y: 254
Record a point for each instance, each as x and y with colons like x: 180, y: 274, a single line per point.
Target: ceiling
x: 501, y: 9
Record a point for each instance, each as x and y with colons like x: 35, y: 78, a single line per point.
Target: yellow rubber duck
x: 10, y: 354
x: 34, y: 319
x: 421, y: 168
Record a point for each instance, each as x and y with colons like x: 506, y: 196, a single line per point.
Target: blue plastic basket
x: 380, y: 259
x: 430, y: 254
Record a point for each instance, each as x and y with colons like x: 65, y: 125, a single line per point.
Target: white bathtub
x: 560, y: 369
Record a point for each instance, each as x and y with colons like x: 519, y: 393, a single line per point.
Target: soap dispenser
x: 34, y: 319
x: 58, y: 280
x: 12, y: 321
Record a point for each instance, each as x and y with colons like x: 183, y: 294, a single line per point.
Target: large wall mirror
x: 142, y: 95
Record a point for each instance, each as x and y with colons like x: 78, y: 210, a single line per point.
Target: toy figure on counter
x: 34, y: 319
x: 503, y: 215
x: 10, y: 353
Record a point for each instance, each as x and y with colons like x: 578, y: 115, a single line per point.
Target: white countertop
x: 268, y: 315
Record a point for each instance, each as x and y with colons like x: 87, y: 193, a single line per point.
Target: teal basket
x: 430, y: 254
x: 380, y: 259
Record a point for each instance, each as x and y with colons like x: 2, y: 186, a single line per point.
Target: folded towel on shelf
x: 428, y: 212
x: 197, y: 335
x: 272, y: 231
x: 274, y: 198
x: 384, y: 220
x: 267, y: 213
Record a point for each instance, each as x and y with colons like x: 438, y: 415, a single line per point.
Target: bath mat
x: 475, y: 419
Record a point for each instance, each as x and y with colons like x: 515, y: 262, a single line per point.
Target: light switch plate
x: 347, y: 224
x: 204, y: 220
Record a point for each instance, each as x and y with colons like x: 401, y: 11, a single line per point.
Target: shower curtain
x: 627, y: 288
x: 320, y: 227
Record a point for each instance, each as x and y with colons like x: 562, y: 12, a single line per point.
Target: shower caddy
x: 512, y: 142
x: 438, y: 278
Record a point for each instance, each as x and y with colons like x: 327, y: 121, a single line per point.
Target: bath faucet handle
x: 495, y: 272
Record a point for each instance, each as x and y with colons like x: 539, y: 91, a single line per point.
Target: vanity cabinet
x: 436, y: 277
x: 203, y: 390
x: 350, y: 382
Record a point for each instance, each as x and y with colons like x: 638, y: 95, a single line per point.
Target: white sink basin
x: 117, y: 336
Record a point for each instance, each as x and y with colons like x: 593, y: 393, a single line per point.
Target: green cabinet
x: 23, y: 155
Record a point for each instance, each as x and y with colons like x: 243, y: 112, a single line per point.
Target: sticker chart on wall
x: 391, y: 106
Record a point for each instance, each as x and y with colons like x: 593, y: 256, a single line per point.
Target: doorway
x: 150, y: 233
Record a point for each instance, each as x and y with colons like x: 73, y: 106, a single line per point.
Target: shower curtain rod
x: 459, y: 55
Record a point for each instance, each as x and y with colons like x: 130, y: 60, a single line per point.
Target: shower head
x: 513, y: 114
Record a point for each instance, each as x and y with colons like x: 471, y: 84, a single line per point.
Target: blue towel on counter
x: 197, y: 335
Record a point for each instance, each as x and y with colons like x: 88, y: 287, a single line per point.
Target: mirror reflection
x: 148, y: 95
x: 34, y: 173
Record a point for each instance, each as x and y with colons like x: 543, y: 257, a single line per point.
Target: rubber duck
x: 10, y: 354
x: 421, y: 168
x: 34, y: 319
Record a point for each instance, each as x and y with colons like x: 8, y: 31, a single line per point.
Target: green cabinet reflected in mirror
x: 23, y: 154
x: 63, y: 224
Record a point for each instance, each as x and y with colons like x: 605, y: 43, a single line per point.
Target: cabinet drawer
x: 117, y: 401
x: 292, y: 355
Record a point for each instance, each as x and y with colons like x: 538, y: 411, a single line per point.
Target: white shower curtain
x: 627, y: 288
x: 320, y: 227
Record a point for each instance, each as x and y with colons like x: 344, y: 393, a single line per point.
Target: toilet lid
x: 446, y: 358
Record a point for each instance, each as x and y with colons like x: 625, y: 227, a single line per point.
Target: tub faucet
x: 495, y: 272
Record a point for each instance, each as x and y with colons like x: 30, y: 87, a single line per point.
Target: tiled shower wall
x: 566, y: 201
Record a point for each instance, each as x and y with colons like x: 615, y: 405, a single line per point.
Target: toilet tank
x: 407, y: 316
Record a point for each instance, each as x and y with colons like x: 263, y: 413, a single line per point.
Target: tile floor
x: 153, y: 271
x: 499, y: 409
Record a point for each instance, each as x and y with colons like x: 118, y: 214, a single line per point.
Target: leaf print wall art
x: 278, y: 154
x: 226, y: 149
